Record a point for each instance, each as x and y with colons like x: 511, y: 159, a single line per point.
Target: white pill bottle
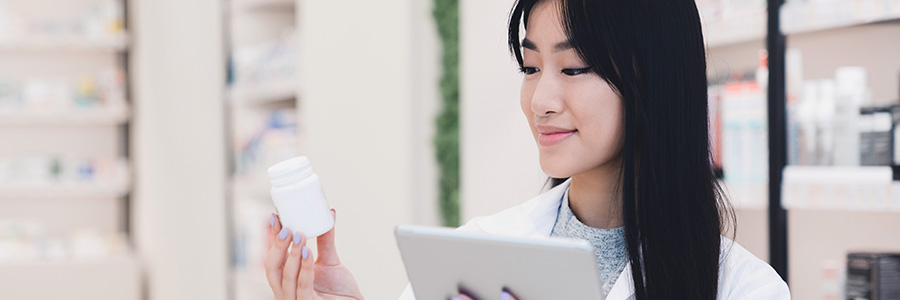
x: 299, y: 198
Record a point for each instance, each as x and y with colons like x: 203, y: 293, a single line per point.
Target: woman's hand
x: 504, y: 295
x: 298, y: 275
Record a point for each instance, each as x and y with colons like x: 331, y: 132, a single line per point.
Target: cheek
x: 525, y: 96
x: 600, y: 119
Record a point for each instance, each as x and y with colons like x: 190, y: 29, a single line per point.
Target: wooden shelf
x: 805, y: 17
x: 110, y: 44
x: 106, y: 116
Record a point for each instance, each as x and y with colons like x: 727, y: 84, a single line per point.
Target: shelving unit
x: 818, y: 213
x: 262, y: 102
x: 65, y: 179
x: 833, y: 210
x: 734, y: 36
x: 843, y: 202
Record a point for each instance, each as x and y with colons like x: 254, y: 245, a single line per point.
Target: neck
x: 593, y: 199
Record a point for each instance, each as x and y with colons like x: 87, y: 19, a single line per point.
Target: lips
x: 551, y: 135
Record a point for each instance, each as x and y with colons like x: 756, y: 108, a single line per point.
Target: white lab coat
x: 742, y: 276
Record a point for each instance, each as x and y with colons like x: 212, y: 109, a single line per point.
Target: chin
x: 556, y: 167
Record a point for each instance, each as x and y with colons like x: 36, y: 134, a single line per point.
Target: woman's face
x: 574, y: 115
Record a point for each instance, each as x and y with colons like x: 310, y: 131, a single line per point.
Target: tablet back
x: 439, y: 260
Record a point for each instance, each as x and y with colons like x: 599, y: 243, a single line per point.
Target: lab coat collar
x: 536, y: 218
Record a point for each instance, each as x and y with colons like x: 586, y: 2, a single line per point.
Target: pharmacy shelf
x: 801, y: 17
x: 106, y: 116
x: 739, y: 29
x: 834, y: 188
x: 258, y: 5
x: 63, y: 191
x: 56, y: 44
x: 272, y: 92
x: 813, y: 16
x: 102, y: 279
x: 746, y: 195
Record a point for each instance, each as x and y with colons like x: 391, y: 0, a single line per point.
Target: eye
x: 529, y: 70
x: 573, y: 72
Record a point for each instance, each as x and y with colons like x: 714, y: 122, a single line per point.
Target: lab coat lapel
x: 534, y: 218
x: 623, y: 289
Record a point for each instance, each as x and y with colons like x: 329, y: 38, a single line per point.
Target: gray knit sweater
x: 609, y: 244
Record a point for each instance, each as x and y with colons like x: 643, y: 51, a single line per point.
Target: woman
x: 614, y: 92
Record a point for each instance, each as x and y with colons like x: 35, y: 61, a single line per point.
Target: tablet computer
x: 441, y: 261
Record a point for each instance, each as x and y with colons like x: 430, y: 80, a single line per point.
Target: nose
x: 547, y: 96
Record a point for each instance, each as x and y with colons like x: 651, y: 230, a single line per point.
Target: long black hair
x: 652, y: 54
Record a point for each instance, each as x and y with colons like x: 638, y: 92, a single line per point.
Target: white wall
x: 499, y: 160
x: 179, y: 148
x: 367, y: 105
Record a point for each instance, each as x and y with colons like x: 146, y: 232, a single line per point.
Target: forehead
x: 544, y: 24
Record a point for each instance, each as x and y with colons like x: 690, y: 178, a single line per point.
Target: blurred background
x: 136, y: 135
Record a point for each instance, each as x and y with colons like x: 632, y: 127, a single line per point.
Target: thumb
x: 325, y: 242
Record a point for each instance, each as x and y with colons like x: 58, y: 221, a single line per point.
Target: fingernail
x: 505, y: 296
x: 272, y: 220
x: 283, y: 234
x: 296, y: 238
x: 304, y: 252
x: 456, y: 298
x: 334, y: 214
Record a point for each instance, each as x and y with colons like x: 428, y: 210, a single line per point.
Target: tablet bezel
x: 439, y: 261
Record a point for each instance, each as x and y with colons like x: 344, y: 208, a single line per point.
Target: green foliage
x: 446, y: 141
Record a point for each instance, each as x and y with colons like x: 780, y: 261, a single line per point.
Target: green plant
x: 446, y: 141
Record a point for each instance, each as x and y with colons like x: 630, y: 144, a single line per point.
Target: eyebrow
x: 561, y: 46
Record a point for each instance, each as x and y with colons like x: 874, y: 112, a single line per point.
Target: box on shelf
x: 872, y: 275
x: 101, y: 19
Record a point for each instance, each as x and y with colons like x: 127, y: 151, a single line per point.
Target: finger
x: 291, y: 269
x: 275, y: 260
x: 274, y: 227
x: 507, y: 295
x: 307, y: 276
x: 461, y: 297
x: 325, y: 243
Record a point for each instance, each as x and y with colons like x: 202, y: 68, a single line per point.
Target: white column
x: 179, y: 148
x: 499, y: 160
x: 367, y: 105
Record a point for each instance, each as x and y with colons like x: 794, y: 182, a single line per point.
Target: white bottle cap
x: 290, y: 171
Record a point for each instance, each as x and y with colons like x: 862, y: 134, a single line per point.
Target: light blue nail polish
x: 272, y: 220
x: 456, y: 298
x: 304, y: 252
x: 296, y: 238
x: 505, y: 296
x: 283, y: 234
